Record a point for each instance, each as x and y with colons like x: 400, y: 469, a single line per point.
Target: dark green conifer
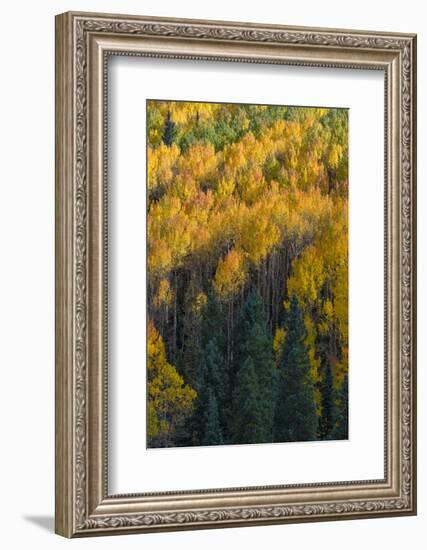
x: 259, y: 350
x: 213, y: 321
x: 212, y: 434
x: 295, y: 414
x: 253, y: 342
x: 327, y: 419
x: 217, y: 378
x: 250, y: 313
x: 247, y: 422
x: 211, y: 386
x: 169, y: 130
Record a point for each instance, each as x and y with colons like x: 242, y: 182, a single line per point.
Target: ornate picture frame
x: 84, y: 42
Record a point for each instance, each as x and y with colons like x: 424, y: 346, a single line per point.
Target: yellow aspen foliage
x: 279, y: 338
x: 311, y: 344
x: 243, y: 197
x: 341, y: 367
x: 200, y: 161
x: 308, y: 275
x: 161, y: 163
x: 258, y: 234
x: 230, y: 273
x: 200, y: 302
x: 328, y: 310
x: 335, y: 155
x: 159, y: 258
x: 185, y: 113
x: 341, y: 300
x: 154, y: 136
x: 318, y: 400
x: 314, y: 361
x: 167, y: 227
x: 185, y: 186
x: 320, y: 280
x: 252, y: 185
x: 165, y: 294
x: 234, y: 159
x: 225, y: 187
x: 169, y: 399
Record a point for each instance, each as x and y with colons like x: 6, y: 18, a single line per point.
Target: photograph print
x: 247, y: 274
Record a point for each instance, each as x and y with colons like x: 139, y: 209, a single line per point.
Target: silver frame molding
x: 83, y: 43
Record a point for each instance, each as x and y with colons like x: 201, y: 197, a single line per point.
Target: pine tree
x: 254, y: 343
x: 212, y: 430
x: 250, y: 313
x: 247, y: 421
x: 327, y: 419
x: 295, y: 414
x: 169, y: 130
x: 211, y: 386
x: 259, y: 350
x: 219, y: 382
x: 340, y: 430
x: 213, y: 321
x: 252, y: 203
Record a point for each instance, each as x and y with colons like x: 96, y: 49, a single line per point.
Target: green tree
x: 211, y: 405
x: 244, y: 197
x: 247, y: 421
x: 254, y: 343
x: 327, y: 419
x: 340, y: 430
x: 169, y: 130
x: 259, y: 350
x: 212, y: 434
x: 295, y: 414
x: 217, y: 380
x: 213, y: 321
x: 250, y: 313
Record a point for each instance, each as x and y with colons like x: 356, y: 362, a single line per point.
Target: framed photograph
x: 235, y: 274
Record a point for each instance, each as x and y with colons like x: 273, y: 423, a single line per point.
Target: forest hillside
x: 247, y: 273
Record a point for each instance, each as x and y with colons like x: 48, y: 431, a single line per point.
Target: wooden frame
x: 83, y: 42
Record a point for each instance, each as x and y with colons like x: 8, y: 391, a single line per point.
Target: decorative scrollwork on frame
x: 242, y: 514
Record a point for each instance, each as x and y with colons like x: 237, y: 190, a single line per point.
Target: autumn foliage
x: 246, y: 204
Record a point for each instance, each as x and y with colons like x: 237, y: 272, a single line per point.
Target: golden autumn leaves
x: 228, y: 210
x: 168, y: 397
x: 237, y: 197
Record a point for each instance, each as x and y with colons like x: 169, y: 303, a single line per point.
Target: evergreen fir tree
x: 250, y: 313
x: 211, y: 386
x: 259, y: 350
x: 295, y: 414
x: 213, y: 322
x: 327, y: 420
x: 212, y: 430
x: 219, y: 382
x: 195, y: 427
x: 169, y: 130
x: 253, y: 341
x: 340, y: 430
x: 247, y: 422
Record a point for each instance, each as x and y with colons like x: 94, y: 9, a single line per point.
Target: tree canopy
x: 247, y: 255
